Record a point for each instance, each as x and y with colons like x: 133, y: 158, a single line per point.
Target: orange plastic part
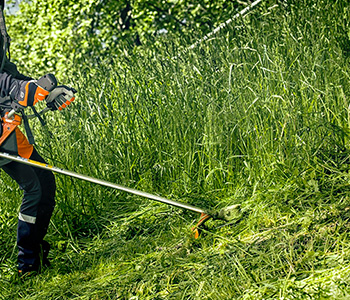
x: 196, y: 229
x: 24, y: 148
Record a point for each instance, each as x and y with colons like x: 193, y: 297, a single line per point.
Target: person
x: 19, y: 92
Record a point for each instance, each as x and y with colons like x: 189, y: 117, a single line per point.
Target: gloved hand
x: 60, y: 97
x: 27, y: 93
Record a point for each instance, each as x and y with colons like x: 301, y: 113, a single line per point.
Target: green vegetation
x: 256, y: 116
x: 66, y: 31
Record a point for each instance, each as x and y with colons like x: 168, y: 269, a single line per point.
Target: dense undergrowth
x: 256, y: 116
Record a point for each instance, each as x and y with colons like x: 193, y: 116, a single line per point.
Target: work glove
x: 60, y: 97
x: 28, y: 93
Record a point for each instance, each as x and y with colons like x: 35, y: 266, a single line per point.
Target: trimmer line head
x: 227, y: 214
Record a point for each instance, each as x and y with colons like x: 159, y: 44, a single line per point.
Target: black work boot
x: 42, y: 261
x: 26, y: 271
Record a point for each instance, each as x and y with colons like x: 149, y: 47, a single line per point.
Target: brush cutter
x: 226, y: 214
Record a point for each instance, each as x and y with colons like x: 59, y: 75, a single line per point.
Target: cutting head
x: 228, y: 214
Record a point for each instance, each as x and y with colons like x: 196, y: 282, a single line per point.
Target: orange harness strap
x: 8, y: 126
x: 25, y: 149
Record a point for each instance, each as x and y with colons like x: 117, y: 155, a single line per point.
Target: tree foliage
x: 54, y: 35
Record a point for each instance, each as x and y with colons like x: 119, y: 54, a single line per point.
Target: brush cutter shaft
x: 100, y: 182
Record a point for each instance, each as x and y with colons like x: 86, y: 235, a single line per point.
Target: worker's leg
x: 47, y: 202
x: 35, y: 211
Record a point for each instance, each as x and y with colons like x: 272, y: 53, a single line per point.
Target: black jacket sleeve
x: 11, y: 68
x: 9, y: 73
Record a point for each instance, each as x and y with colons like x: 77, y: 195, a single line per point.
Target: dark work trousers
x: 36, y: 209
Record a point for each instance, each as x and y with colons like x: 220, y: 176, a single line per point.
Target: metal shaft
x: 36, y: 164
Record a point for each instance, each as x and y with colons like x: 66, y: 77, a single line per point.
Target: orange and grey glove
x: 28, y: 93
x: 60, y: 97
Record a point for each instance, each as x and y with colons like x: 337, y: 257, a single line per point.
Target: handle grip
x: 48, y: 82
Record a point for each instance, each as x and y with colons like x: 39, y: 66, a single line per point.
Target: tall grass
x: 257, y: 115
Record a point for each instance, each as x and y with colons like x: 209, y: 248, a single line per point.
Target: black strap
x: 6, y: 38
x: 43, y: 123
x: 27, y: 129
x: 29, y: 132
